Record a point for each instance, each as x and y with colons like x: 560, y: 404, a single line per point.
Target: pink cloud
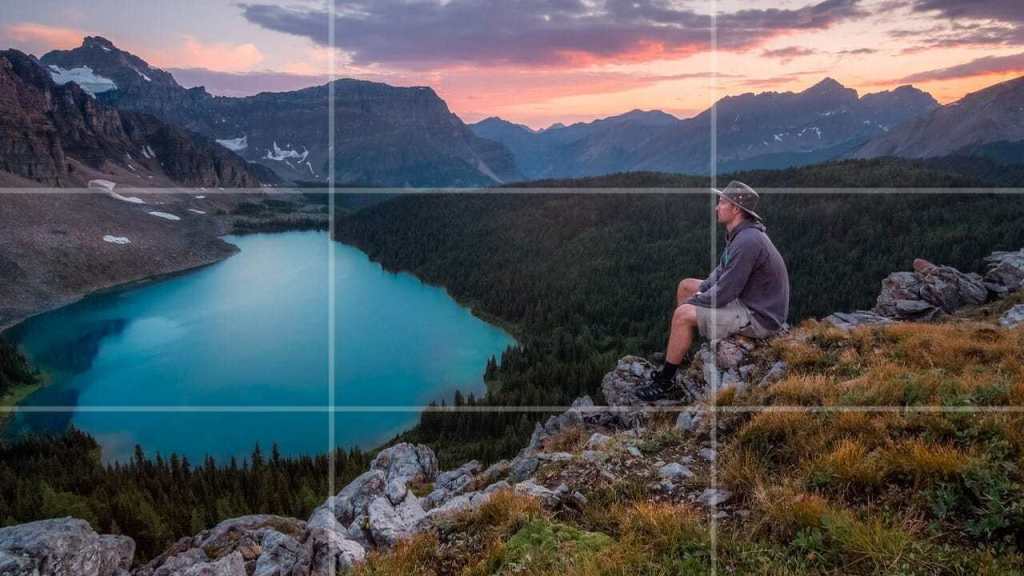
x: 217, y: 56
x: 40, y: 37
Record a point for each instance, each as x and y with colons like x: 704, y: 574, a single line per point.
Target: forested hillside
x: 584, y: 278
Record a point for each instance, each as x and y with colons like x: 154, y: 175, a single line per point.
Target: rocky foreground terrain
x: 404, y: 509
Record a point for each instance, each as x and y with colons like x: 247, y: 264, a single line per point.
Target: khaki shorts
x: 733, y: 318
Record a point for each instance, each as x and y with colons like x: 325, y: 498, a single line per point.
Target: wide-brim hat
x: 743, y: 196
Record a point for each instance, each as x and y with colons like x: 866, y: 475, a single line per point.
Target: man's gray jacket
x: 752, y: 270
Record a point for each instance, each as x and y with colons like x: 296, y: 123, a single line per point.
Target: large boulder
x: 406, y: 463
x: 388, y: 523
x: 1005, y: 273
x: 63, y: 547
x: 929, y: 292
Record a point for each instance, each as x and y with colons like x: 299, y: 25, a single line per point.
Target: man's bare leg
x: 684, y: 320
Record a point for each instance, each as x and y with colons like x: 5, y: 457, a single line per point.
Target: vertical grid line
x: 331, y: 288
x: 713, y: 250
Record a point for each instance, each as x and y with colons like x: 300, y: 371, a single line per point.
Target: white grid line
x: 331, y: 281
x: 713, y: 253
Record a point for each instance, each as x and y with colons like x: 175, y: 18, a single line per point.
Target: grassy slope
x: 841, y: 492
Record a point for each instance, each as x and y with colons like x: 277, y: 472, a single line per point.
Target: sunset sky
x: 543, y: 61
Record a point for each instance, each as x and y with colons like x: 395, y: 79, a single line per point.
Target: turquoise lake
x: 132, y: 366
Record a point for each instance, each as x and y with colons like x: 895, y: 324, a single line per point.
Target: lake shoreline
x: 465, y: 370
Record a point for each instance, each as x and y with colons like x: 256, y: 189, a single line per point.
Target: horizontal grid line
x: 509, y: 409
x: 567, y: 190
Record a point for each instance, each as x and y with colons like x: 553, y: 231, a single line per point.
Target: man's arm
x: 710, y: 280
x: 732, y: 277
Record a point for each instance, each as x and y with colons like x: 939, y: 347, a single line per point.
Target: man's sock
x: 668, y: 371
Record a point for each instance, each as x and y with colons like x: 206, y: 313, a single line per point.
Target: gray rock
x: 523, y: 467
x: 388, y: 524
x: 674, y: 471
x: 635, y: 452
x: 688, y: 420
x: 594, y: 456
x: 554, y: 456
x: 1005, y: 273
x: 467, y: 501
x: 850, y: 320
x: 714, y: 496
x: 495, y: 472
x: 777, y: 372
x: 597, y: 441
x: 451, y: 483
x: 280, y: 553
x: 406, y: 462
x: 928, y: 292
x: 331, y: 553
x: 396, y: 491
x: 63, y: 547
x: 231, y: 565
x: 357, y: 495
x: 1014, y: 317
x: 531, y: 488
x: 707, y: 454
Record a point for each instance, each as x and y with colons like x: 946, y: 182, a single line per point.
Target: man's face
x: 725, y: 211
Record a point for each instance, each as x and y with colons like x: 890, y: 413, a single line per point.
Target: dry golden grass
x: 571, y: 439
x: 413, y: 557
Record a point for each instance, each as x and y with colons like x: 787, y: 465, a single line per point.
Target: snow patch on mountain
x: 235, y: 144
x: 116, y: 239
x: 89, y: 81
x: 165, y: 215
x: 282, y: 154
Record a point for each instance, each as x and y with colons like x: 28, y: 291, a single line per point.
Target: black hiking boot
x: 657, y: 389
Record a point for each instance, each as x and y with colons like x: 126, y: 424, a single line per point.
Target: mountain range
x: 384, y: 135
x: 407, y: 136
x: 59, y: 135
x: 766, y: 130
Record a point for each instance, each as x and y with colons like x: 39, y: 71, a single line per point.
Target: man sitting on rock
x: 747, y: 293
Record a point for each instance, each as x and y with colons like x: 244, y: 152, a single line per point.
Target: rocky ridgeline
x: 570, y: 454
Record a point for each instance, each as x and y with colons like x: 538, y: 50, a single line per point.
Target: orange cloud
x: 43, y: 37
x: 217, y: 56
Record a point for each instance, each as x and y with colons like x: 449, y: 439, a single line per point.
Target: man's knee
x: 688, y: 287
x: 685, y: 315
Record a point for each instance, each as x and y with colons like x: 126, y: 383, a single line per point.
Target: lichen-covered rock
x: 1005, y: 273
x: 63, y: 547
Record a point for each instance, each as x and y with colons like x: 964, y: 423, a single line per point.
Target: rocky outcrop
x: 63, y: 547
x: 1005, y: 273
x: 257, y: 545
x: 928, y: 292
x: 931, y: 292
